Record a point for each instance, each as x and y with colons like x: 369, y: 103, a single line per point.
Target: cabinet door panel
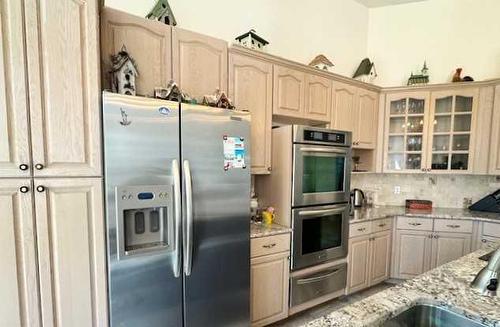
x: 344, y: 106
x: 318, y: 98
x: 199, y: 63
x: 14, y: 143
x: 71, y: 249
x: 413, y: 253
x: 359, y: 263
x: 64, y: 86
x: 251, y: 88
x: 494, y: 166
x: 449, y: 246
x: 381, y: 257
x: 365, y: 135
x: 18, y: 285
x: 148, y: 42
x: 288, y: 97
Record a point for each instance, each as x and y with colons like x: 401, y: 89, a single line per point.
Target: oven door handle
x: 317, y: 278
x: 321, y: 212
x: 326, y: 150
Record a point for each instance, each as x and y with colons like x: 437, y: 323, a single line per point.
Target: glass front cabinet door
x: 406, y: 132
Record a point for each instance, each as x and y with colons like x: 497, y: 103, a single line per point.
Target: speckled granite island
x: 447, y: 286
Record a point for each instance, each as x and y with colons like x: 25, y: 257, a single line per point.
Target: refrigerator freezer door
x: 217, y: 289
x: 141, y: 138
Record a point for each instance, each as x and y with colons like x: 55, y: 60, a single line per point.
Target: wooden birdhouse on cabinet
x: 162, y: 13
x: 321, y: 62
x: 251, y: 40
x: 366, y: 71
x: 123, y: 73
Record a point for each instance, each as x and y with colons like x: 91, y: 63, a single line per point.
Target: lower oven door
x: 320, y: 234
x: 320, y: 283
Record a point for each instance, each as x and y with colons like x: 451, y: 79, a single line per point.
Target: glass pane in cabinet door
x: 416, y: 106
x: 415, y: 124
x: 397, y: 125
x: 463, y: 104
x: 414, y: 143
x: 439, y: 161
x: 398, y: 107
x: 462, y: 123
x: 440, y: 143
x: 459, y: 161
x: 444, y: 105
x: 460, y: 143
x: 442, y: 124
x: 413, y: 161
x: 396, y: 143
x: 395, y: 161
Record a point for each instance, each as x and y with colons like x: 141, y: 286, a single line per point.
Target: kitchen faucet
x: 486, y: 280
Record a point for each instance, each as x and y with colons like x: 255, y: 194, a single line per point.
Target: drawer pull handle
x: 269, y: 246
x: 318, y: 278
x: 453, y: 226
x: 382, y: 225
x: 415, y: 224
x: 361, y: 229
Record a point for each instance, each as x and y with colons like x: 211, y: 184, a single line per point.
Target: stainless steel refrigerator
x: 177, y: 206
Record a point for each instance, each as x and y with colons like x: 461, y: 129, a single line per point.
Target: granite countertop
x: 447, y: 286
x: 260, y: 230
x: 379, y: 212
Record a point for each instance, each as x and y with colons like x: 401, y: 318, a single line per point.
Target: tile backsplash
x: 445, y: 191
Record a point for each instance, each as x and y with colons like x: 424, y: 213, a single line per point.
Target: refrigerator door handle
x: 188, y: 225
x: 177, y: 211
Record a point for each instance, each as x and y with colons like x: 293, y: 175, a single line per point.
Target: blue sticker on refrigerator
x: 234, y: 152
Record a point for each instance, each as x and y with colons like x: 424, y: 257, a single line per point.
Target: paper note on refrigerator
x: 234, y: 152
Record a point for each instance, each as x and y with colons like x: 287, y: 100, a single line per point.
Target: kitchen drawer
x: 491, y: 229
x: 381, y: 225
x: 451, y: 225
x: 269, y: 245
x: 412, y: 223
x: 360, y: 229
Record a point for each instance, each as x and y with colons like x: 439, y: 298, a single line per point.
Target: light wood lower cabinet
x: 412, y: 253
x: 369, y: 260
x: 447, y: 247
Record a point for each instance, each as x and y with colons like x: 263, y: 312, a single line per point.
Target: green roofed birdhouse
x: 366, y: 71
x: 422, y: 78
x: 251, y: 40
x: 162, y: 13
x: 321, y: 62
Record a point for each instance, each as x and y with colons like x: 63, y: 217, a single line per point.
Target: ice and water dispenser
x: 144, y: 219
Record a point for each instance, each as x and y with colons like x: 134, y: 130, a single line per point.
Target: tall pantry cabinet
x: 51, y: 220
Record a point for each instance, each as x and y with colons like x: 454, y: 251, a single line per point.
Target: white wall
x: 297, y: 30
x: 447, y: 33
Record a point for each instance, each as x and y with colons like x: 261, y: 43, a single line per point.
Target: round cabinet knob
x: 23, y: 167
x: 39, y: 166
x: 40, y: 188
x: 484, y: 240
x: 24, y: 189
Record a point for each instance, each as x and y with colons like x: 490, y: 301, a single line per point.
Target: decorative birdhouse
x: 366, y: 71
x: 123, y: 73
x: 321, y: 62
x: 422, y: 78
x: 162, y: 13
x: 251, y: 40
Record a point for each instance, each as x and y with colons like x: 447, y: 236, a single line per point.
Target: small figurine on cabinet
x: 422, y: 78
x: 123, y: 73
x: 172, y: 93
x: 251, y: 40
x: 366, y: 71
x: 321, y: 62
x: 458, y: 78
x: 162, y: 13
x: 218, y: 99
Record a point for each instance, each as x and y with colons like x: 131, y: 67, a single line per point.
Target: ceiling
x: 381, y: 3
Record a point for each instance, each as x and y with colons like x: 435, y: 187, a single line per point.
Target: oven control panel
x: 329, y: 137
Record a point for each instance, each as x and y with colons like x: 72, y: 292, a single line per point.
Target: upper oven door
x: 321, y: 175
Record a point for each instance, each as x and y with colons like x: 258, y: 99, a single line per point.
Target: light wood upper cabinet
x: 318, y: 98
x: 412, y: 254
x: 366, y: 118
x: 359, y: 264
x: 18, y: 285
x: 71, y: 250
x: 251, y: 89
x: 64, y: 91
x: 494, y: 166
x: 288, y: 92
x: 148, y: 42
x: 14, y: 131
x: 344, y: 107
x: 447, y: 247
x: 199, y: 62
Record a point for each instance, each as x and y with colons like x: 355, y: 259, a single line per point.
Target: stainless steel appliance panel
x: 216, y: 219
x: 309, y: 287
x: 319, y: 234
x: 141, y: 147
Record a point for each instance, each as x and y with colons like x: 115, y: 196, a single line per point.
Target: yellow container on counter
x: 267, y: 217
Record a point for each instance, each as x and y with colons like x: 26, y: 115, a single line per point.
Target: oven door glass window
x: 323, y: 174
x: 321, y: 233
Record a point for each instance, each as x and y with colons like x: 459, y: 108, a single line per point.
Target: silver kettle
x: 357, y: 197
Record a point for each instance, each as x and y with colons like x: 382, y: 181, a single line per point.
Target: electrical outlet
x: 397, y: 189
